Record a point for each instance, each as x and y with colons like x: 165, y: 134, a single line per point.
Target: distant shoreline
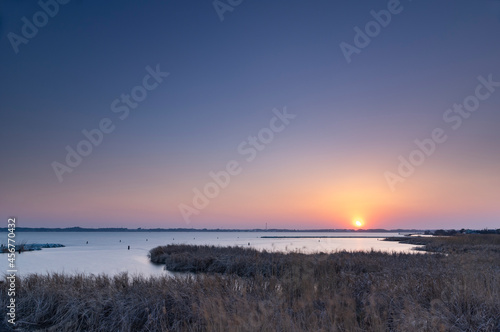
x: 82, y: 229
x: 322, y: 237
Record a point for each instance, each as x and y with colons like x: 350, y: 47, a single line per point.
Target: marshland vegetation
x: 236, y: 289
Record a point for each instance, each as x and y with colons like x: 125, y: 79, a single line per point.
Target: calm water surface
x: 106, y: 252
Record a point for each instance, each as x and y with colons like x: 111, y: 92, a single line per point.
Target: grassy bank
x: 19, y: 248
x: 235, y: 289
x: 454, y: 244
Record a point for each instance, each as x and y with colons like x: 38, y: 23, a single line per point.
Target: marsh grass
x: 235, y: 289
x: 454, y: 244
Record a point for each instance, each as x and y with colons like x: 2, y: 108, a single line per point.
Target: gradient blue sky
x: 325, y: 170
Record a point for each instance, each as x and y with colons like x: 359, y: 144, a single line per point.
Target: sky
x: 237, y: 114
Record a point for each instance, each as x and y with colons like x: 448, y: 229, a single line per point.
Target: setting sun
x: 358, y: 223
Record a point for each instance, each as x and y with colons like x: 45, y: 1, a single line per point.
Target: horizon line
x: 180, y: 229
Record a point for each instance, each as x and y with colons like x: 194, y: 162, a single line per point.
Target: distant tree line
x: 449, y: 232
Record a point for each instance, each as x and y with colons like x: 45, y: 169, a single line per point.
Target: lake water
x: 106, y: 252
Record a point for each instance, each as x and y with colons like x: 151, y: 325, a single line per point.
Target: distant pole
x: 266, y: 226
